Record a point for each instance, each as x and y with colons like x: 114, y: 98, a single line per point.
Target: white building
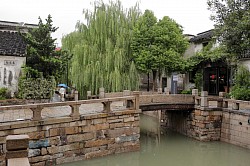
x: 12, y: 53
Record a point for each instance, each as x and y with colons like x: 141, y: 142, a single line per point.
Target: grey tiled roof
x: 204, y: 36
x: 12, y: 44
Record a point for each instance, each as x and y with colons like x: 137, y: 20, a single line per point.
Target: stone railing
x: 102, y: 93
x: 132, y: 103
x: 204, y: 101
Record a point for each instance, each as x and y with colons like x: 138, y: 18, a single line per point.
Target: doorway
x: 215, y: 80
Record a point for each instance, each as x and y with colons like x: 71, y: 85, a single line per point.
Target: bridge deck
x: 167, y: 106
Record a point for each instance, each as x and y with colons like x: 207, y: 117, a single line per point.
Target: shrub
x: 3, y: 93
x: 36, y: 88
x: 198, y: 80
x: 241, y: 89
x: 241, y: 93
x: 186, y: 91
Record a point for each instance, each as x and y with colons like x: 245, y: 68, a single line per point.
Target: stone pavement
x: 50, y: 112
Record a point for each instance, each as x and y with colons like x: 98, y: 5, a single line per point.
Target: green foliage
x: 3, y: 93
x: 41, y: 54
x: 241, y: 93
x: 101, y: 49
x: 189, y: 91
x: 158, y: 45
x: 142, y: 41
x: 232, y: 20
x: 241, y: 89
x: 198, y: 80
x: 208, y: 53
x: 36, y: 88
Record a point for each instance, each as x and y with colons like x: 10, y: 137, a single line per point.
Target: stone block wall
x: 206, y: 124
x: 203, y: 125
x: 60, y: 140
x: 236, y: 128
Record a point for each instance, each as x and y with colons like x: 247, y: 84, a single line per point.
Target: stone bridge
x: 77, y: 130
x: 166, y: 102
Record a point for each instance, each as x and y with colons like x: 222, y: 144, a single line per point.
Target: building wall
x: 246, y: 62
x: 190, y: 50
x: 10, y: 68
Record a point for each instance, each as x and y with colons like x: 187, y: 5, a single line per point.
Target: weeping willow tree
x: 101, y: 49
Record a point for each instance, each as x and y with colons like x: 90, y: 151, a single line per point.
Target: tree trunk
x: 154, y: 80
x: 148, y: 82
x: 160, y: 79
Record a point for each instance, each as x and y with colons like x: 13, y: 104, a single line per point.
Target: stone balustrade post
x: 220, y: 101
x: 75, y: 113
x: 166, y: 90
x: 159, y: 90
x: 37, y: 113
x: 225, y: 104
x: 235, y: 105
x: 137, y: 99
x: 76, y: 95
x: 88, y: 94
x: 204, y: 101
x: 101, y: 93
x: 126, y: 93
x: 107, y: 106
x: 195, y: 92
x: 17, y: 150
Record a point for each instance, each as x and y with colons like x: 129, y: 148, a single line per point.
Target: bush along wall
x: 241, y: 88
x: 3, y: 93
x: 36, y: 88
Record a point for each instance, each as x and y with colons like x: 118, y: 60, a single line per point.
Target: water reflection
x: 161, y: 147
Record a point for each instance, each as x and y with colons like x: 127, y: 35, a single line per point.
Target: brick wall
x: 60, y: 140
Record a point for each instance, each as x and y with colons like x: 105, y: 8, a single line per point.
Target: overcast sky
x: 191, y: 14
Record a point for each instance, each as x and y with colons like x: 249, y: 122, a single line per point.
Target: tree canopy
x: 232, y: 24
x: 101, y: 48
x: 158, y: 45
x: 41, y: 54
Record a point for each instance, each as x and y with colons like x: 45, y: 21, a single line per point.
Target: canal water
x: 167, y: 148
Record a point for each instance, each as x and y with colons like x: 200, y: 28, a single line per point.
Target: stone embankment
x: 77, y: 136
x: 213, y: 119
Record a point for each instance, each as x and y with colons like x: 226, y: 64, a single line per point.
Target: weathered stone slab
x: 122, y: 131
x: 34, y: 152
x: 16, y: 154
x: 80, y: 137
x: 38, y: 144
x: 15, y: 142
x: 71, y: 130
x: 96, y: 127
x: 99, y: 153
x: 18, y: 161
x: 37, y: 135
x: 127, y: 138
x: 95, y: 143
